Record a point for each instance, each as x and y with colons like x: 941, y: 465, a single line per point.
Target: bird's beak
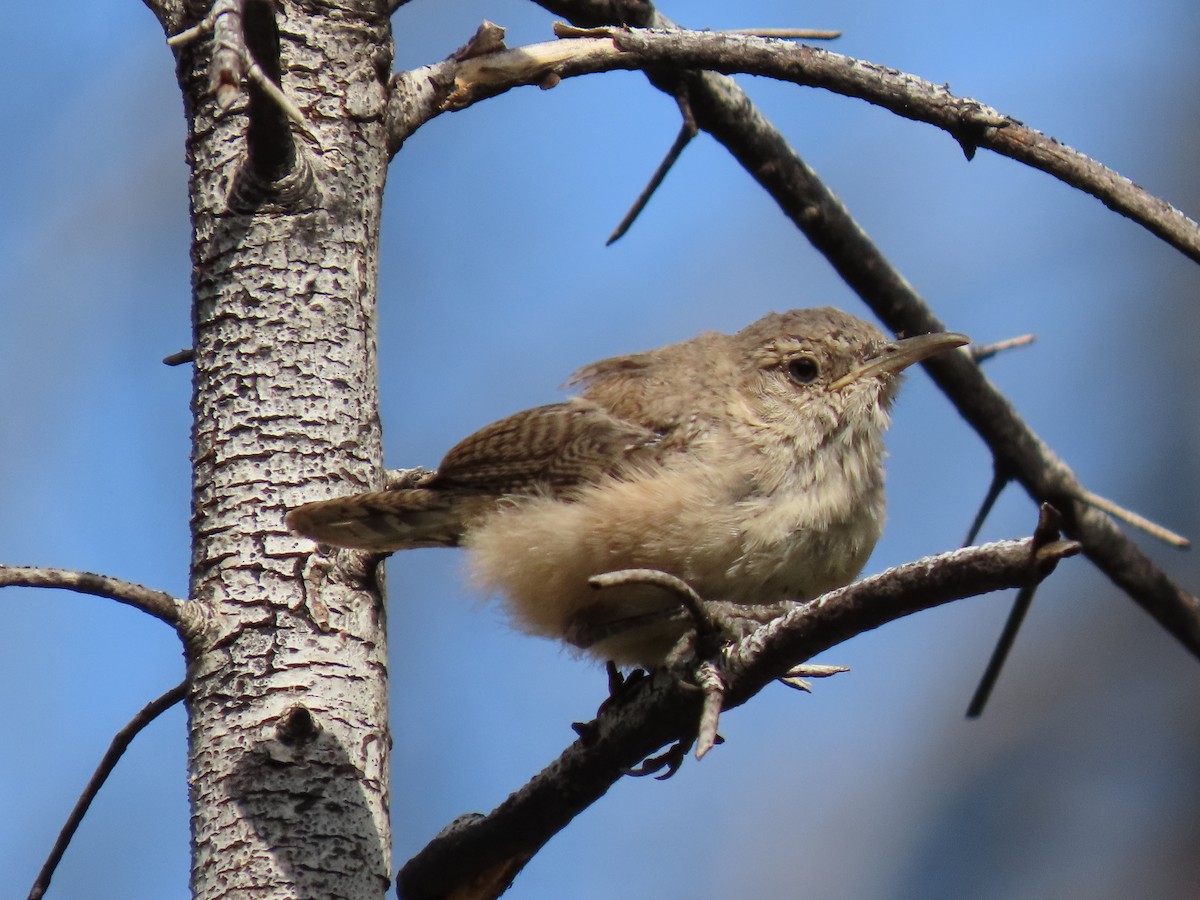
x: 899, y: 355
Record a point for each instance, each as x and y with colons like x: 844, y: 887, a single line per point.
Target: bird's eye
x: 803, y: 370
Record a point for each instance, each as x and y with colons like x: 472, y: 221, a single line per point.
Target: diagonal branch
x: 455, y: 84
x: 108, y: 762
x: 687, y: 131
x: 246, y: 51
x: 1004, y: 645
x: 173, y: 611
x: 491, y: 849
x: 274, y: 171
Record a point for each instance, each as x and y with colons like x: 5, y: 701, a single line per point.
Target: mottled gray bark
x: 289, y: 744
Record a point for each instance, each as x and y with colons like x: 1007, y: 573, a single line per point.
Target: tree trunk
x: 289, y: 744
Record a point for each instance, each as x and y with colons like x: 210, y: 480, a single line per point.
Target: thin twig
x: 255, y: 73
x: 687, y: 131
x: 1049, y: 523
x: 1000, y: 652
x: 232, y: 61
x: 229, y: 55
x: 1129, y: 517
x: 108, y: 762
x: 1000, y: 480
x: 815, y: 670
x: 180, y: 357
x: 157, y: 603
x: 982, y: 352
x: 801, y: 34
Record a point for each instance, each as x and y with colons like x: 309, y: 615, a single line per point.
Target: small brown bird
x: 749, y: 465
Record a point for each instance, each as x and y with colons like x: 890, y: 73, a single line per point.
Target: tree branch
x: 687, y: 131
x: 245, y: 38
x: 1008, y: 636
x: 487, y: 850
x: 983, y: 352
x: 455, y: 84
x: 274, y: 171
x: 173, y: 611
x: 116, y: 749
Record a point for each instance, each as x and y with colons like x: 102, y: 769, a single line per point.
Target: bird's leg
x: 697, y: 650
x: 709, y: 634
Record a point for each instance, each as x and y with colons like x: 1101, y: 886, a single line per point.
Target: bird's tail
x: 382, y: 521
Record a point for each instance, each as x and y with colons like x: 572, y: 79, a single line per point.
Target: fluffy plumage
x: 749, y: 465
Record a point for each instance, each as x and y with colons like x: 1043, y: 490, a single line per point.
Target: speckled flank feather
x: 750, y: 465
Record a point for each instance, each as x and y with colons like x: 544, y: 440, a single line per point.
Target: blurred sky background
x: 1082, y: 778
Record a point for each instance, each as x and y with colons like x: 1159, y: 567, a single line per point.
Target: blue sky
x: 495, y: 285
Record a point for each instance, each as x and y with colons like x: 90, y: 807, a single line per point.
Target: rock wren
x: 749, y: 465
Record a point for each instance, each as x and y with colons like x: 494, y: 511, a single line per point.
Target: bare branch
x: 1000, y: 480
x: 667, y: 710
x: 235, y: 26
x: 1129, y: 517
x: 260, y: 80
x: 158, y: 604
x: 971, y: 123
x: 1049, y: 523
x: 275, y: 170
x: 108, y: 762
x: 687, y: 131
x: 983, y: 352
x: 453, y: 84
x: 794, y: 34
x: 1008, y: 637
x: 180, y: 357
x: 725, y: 112
x: 229, y: 55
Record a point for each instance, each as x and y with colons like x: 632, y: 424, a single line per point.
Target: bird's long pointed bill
x: 899, y: 355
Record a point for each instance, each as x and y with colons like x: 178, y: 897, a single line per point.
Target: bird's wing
x: 549, y: 449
